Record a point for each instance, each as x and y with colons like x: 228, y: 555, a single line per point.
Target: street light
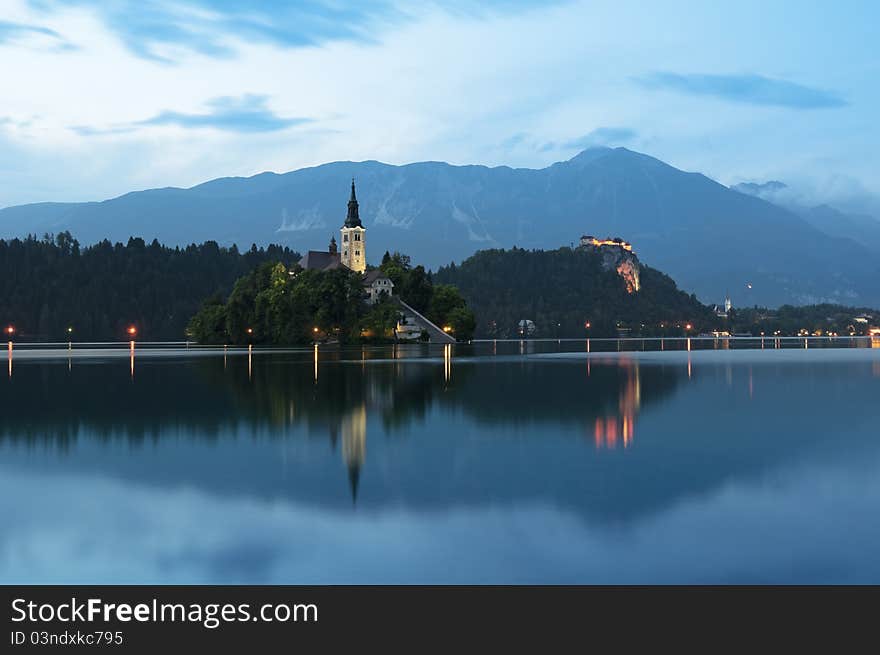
x: 10, y: 330
x: 132, y: 330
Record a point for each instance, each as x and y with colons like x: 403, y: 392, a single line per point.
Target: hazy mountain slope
x: 861, y: 228
x: 710, y: 238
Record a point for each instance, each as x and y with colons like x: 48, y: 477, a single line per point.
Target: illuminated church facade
x: 354, y: 241
x: 351, y: 252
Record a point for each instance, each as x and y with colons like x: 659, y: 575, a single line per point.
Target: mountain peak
x: 591, y: 154
x: 693, y: 228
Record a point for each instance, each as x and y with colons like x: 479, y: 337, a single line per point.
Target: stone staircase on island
x: 435, y: 334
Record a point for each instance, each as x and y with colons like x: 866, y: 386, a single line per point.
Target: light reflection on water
x: 386, y: 465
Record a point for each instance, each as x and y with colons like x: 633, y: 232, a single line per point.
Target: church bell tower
x: 354, y: 245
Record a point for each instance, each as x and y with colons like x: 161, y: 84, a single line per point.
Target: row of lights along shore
x: 131, y: 331
x: 9, y: 331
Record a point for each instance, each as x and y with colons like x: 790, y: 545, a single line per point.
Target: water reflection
x: 382, y: 460
x: 209, y: 397
x: 622, y: 422
x: 354, y: 444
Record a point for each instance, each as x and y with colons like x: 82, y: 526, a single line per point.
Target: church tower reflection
x: 620, y: 426
x: 354, y: 445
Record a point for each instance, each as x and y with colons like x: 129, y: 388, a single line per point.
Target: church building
x: 351, y: 252
x: 354, y: 243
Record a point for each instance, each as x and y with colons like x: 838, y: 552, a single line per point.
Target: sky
x: 102, y: 97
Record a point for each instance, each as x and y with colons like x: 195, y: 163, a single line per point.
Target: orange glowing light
x: 132, y: 330
x: 587, y: 325
x: 598, y: 243
x: 688, y: 327
x: 250, y: 330
x: 314, y: 329
x: 10, y: 330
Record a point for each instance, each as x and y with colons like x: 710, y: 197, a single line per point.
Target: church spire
x: 353, y: 219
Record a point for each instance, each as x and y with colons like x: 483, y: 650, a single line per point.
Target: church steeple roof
x: 353, y: 219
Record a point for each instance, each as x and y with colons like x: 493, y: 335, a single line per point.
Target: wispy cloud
x: 161, y: 30
x: 751, y: 89
x: 247, y: 113
x: 89, y: 130
x: 36, y: 35
x: 602, y: 136
x: 244, y: 114
x: 154, y: 29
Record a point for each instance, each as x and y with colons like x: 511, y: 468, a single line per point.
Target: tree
x: 295, y: 306
x: 50, y: 284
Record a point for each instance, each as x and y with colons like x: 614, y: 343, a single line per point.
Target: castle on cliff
x: 617, y: 255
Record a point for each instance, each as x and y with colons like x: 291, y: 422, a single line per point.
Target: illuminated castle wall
x: 591, y: 241
x: 617, y: 255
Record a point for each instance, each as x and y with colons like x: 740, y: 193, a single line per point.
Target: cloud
x: 247, y: 113
x: 602, y: 136
x: 88, y: 130
x: 161, y: 30
x: 33, y: 35
x: 515, y: 140
x: 750, y: 89
x: 244, y: 114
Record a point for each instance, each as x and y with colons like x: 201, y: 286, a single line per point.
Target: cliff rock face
x: 628, y: 269
x: 625, y: 262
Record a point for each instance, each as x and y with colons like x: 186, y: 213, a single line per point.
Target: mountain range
x: 713, y: 240
x: 858, y: 227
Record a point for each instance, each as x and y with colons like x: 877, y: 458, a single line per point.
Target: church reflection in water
x: 354, y: 444
x: 340, y: 394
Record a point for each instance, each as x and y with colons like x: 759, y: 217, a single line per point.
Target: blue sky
x: 103, y: 97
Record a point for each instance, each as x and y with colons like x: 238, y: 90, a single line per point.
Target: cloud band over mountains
x: 244, y: 114
x: 749, y: 88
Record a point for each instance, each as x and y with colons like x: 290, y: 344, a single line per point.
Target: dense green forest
x: 563, y: 290
x: 277, y: 304
x: 52, y: 284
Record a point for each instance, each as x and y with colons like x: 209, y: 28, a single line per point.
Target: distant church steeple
x: 353, y: 237
x: 353, y: 219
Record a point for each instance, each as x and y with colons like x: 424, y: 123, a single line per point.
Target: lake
x: 490, y: 463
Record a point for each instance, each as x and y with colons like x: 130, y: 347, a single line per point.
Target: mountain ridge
x: 710, y: 238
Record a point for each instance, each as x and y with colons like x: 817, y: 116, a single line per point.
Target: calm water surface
x: 425, y: 465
